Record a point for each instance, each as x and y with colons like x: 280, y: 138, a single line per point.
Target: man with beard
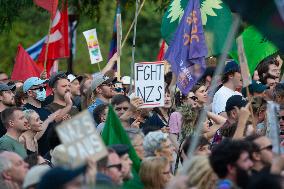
x: 261, y: 153
x: 62, y: 95
x: 230, y: 161
x: 6, y: 101
x: 122, y: 151
x: 103, y: 90
x: 15, y: 123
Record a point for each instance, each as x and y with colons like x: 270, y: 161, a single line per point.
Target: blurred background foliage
x: 22, y: 22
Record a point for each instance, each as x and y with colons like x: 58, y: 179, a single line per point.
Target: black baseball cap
x: 5, y: 87
x: 235, y: 101
x: 55, y: 77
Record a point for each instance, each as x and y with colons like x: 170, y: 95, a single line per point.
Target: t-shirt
x: 42, y: 112
x: 95, y: 104
x: 220, y: 99
x: 7, y: 143
x: 3, y: 129
x: 225, y: 184
x: 53, y: 107
x: 175, y: 122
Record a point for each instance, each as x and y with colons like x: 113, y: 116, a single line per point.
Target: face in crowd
x: 61, y: 87
x: 75, y: 88
x: 4, y: 78
x: 137, y: 143
x: 7, y: 98
x: 201, y: 94
x: 106, y: 90
x: 166, y: 150
x: 237, y: 79
x: 19, y: 122
x: 37, y: 92
x: 121, y: 108
x: 114, y: 168
x: 35, y: 122
x: 168, y: 101
x: 126, y: 163
x: 265, y: 154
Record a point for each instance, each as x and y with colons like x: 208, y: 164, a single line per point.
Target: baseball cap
x: 34, y: 175
x: 254, y: 87
x: 59, y: 176
x: 32, y: 81
x: 99, y: 79
x: 53, y: 78
x: 120, y: 149
x: 231, y: 66
x: 235, y: 101
x: 5, y: 87
x: 72, y: 77
x: 126, y: 80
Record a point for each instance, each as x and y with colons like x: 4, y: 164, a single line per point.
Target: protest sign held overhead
x: 93, y: 46
x: 149, y: 83
x: 243, y: 63
x: 188, y: 49
x: 81, y: 139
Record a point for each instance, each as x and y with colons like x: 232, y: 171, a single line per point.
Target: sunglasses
x: 118, y: 166
x: 39, y: 88
x: 122, y: 108
x: 108, y: 85
x: 281, y: 117
x: 269, y: 147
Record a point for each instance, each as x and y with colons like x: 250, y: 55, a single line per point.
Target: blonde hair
x: 200, y: 174
x: 28, y: 114
x: 151, y: 172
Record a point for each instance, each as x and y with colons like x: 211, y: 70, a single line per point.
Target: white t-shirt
x: 220, y: 98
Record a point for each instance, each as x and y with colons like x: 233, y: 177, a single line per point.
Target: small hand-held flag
x: 188, y: 49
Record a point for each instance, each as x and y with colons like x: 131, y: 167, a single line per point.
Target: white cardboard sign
x: 80, y: 139
x: 149, y: 83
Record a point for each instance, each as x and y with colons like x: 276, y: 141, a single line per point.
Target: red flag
x: 24, y: 66
x: 49, y: 5
x: 58, y: 46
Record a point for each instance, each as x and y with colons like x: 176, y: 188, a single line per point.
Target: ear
x: 231, y: 169
x: 98, y: 90
x: 53, y: 90
x: 11, y: 123
x: 6, y: 175
x: 256, y: 156
x: 157, y: 153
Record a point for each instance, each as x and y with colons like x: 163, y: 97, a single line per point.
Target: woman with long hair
x: 155, y: 172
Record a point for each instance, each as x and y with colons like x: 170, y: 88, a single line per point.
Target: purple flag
x: 188, y: 49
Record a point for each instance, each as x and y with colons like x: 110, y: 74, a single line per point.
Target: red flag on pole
x: 49, y: 5
x: 24, y: 66
x: 162, y: 51
x: 58, y: 40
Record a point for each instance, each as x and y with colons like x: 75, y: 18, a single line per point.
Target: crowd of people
x: 233, y: 149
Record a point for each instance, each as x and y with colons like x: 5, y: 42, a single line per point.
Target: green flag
x: 114, y: 133
x: 216, y: 20
x: 256, y: 47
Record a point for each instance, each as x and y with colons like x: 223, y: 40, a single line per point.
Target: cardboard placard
x: 80, y: 139
x: 149, y: 83
x: 93, y: 46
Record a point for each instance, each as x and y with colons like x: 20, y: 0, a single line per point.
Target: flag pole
x: 118, y: 39
x: 227, y: 46
x: 47, y: 42
x: 133, y: 47
x: 132, y: 24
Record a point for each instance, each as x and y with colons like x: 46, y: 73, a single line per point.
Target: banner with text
x: 93, y: 46
x: 81, y: 139
x: 149, y: 83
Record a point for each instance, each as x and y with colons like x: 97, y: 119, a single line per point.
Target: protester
x: 109, y: 171
x: 262, y: 154
x: 155, y: 172
x: 231, y: 80
x: 137, y: 137
x: 13, y: 170
x: 16, y: 124
x: 101, y: 89
x: 37, y: 128
x: 122, y: 151
x: 6, y: 100
x: 158, y: 144
x: 200, y: 92
x: 75, y: 89
x: 230, y: 161
x: 268, y: 66
x: 200, y: 173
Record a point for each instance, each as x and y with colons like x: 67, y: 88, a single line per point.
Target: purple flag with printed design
x: 188, y: 49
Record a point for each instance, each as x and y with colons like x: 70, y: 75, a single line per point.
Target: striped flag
x: 35, y: 49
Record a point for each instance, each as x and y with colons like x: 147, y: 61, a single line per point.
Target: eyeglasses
x: 39, y: 88
x: 269, y: 147
x: 118, y: 166
x: 281, y: 117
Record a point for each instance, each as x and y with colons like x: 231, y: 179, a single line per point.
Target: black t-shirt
x: 43, y: 114
x: 3, y: 130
